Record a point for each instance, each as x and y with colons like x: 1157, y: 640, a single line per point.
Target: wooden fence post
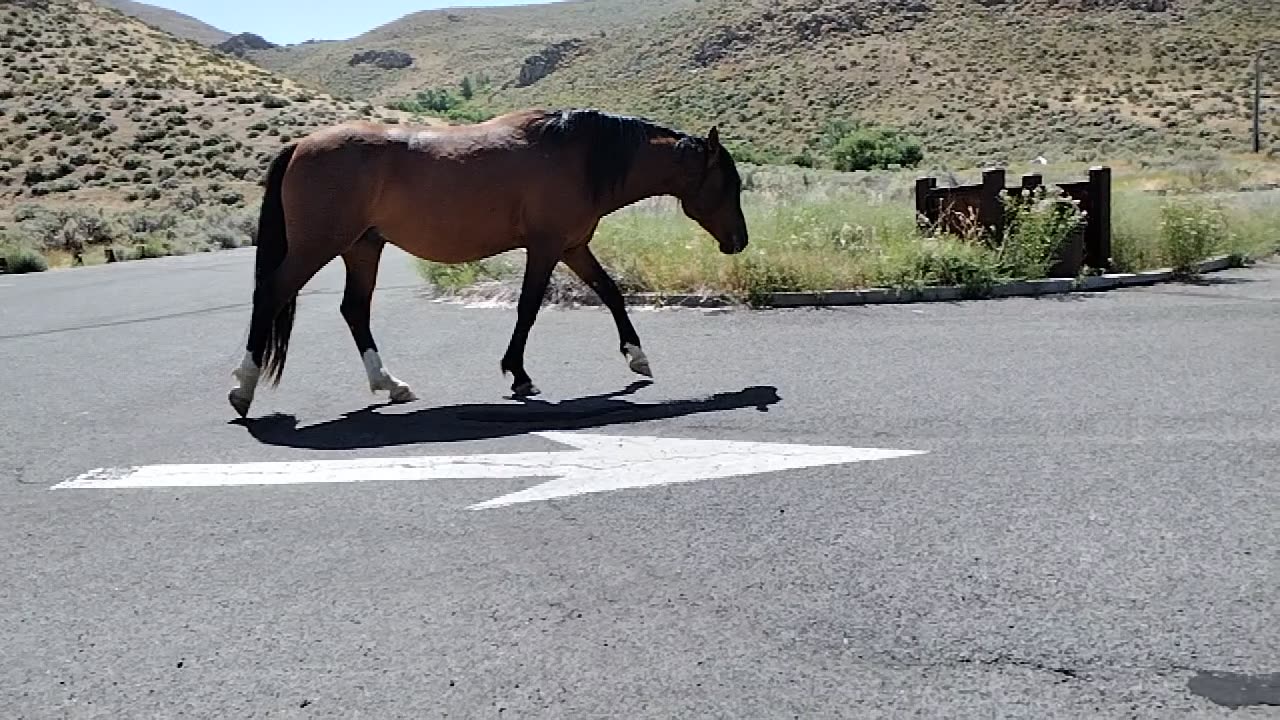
x: 1031, y: 181
x: 1098, y: 250
x: 991, y: 209
x: 924, y: 216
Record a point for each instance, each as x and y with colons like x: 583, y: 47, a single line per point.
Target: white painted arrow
x: 601, y: 463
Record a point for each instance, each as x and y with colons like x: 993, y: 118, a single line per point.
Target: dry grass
x: 814, y: 230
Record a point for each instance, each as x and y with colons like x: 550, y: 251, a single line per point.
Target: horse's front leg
x: 539, y: 264
x: 588, y: 269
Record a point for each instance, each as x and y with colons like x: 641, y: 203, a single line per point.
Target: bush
x: 755, y: 276
x: 226, y: 238
x: 20, y: 260
x: 1191, y: 231
x: 1038, y: 225
x: 69, y: 230
x: 442, y: 103
x: 945, y: 260
x: 273, y: 101
x: 854, y: 146
x: 460, y: 275
x: 40, y: 173
x: 152, y: 246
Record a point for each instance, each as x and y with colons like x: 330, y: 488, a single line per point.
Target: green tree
x: 851, y: 145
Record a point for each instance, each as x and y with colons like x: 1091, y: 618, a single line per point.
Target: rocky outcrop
x: 723, y: 42
x: 804, y: 22
x: 385, y: 59
x: 240, y: 45
x: 546, y: 61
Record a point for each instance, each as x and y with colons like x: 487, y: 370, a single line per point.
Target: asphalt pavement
x: 1090, y: 530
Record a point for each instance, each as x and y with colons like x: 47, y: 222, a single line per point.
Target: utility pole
x: 1257, y: 95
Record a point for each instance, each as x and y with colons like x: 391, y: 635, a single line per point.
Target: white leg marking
x: 380, y: 379
x: 637, y: 361
x: 246, y: 376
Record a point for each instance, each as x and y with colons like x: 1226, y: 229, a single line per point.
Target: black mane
x: 612, y: 141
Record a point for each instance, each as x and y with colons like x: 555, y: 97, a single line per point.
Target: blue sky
x: 293, y: 21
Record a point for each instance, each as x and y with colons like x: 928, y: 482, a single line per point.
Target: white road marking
x: 601, y: 463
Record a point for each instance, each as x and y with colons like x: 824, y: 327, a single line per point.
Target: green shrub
x: 430, y: 101
x: 1038, y: 225
x: 442, y: 103
x: 273, y: 101
x: 943, y: 260
x: 467, y: 114
x: 855, y: 146
x: 40, y: 173
x: 1191, y: 231
x: 227, y: 238
x: 754, y: 277
x: 153, y: 245
x: 21, y: 260
x: 461, y: 275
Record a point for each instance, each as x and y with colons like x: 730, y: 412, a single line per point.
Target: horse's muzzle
x: 737, y: 243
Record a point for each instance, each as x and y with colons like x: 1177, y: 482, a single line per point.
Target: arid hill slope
x: 100, y: 107
x: 171, y: 21
x: 976, y: 80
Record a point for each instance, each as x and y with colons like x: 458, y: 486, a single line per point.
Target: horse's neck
x: 655, y: 172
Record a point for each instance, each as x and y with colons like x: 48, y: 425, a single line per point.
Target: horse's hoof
x: 525, y: 390
x: 637, y: 361
x: 239, y: 402
x: 640, y: 366
x: 402, y: 394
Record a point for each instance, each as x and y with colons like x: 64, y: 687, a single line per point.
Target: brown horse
x: 534, y: 179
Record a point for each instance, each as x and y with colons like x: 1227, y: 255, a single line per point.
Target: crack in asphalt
x: 1078, y: 673
x: 1067, y: 674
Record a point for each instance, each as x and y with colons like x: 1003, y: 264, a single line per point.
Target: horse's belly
x: 453, y: 242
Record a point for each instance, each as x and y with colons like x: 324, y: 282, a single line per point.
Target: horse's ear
x: 713, y: 146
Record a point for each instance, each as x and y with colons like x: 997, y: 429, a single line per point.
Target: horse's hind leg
x: 274, y: 306
x: 313, y: 242
x: 357, y: 301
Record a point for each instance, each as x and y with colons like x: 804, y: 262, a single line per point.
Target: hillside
x: 116, y: 135
x: 170, y: 21
x: 100, y: 107
x: 448, y: 44
x: 975, y: 80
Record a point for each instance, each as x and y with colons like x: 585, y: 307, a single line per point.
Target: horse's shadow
x: 366, y: 428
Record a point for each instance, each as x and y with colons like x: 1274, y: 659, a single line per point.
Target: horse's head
x: 713, y: 200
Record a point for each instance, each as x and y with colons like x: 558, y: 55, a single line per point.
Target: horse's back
x: 445, y: 193
x: 503, y: 132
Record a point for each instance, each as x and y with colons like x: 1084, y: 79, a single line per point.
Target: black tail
x: 272, y: 332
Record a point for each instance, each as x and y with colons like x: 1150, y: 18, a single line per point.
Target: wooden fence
x: 953, y: 209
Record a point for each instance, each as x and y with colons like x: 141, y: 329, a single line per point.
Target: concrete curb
x: 945, y: 293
